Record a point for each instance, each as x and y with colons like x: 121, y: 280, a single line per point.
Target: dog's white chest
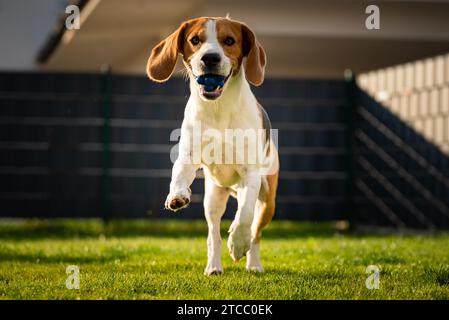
x: 222, y: 174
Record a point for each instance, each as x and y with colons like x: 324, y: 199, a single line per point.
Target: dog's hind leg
x: 265, y: 207
x: 215, y: 199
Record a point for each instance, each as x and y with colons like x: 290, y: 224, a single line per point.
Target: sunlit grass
x: 166, y: 259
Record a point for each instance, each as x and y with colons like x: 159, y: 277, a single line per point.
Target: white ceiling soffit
x: 302, y: 38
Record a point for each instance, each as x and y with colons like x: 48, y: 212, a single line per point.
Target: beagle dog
x: 213, y: 50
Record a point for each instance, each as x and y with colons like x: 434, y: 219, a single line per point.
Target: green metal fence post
x: 350, y: 110
x: 106, y: 207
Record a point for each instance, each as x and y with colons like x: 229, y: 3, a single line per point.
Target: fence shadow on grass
x: 66, y: 258
x: 78, y: 229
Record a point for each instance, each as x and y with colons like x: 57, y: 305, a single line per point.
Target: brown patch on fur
x: 162, y: 60
x: 246, y: 45
x: 255, y: 57
x: 195, y: 28
x: 266, y: 125
x: 228, y: 28
x: 266, y: 205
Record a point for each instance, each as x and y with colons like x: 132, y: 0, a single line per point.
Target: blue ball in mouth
x: 210, y: 81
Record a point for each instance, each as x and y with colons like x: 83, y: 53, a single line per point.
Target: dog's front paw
x: 213, y: 270
x: 254, y: 267
x: 178, y: 200
x: 239, y: 240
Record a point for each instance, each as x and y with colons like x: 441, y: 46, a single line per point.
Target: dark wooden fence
x: 402, y: 145
x: 80, y: 145
x: 401, y: 178
x: 83, y: 145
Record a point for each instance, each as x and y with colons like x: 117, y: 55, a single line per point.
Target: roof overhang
x: 317, y: 38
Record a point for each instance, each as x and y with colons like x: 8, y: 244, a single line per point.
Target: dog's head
x: 213, y: 50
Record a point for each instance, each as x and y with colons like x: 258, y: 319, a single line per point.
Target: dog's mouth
x: 211, y: 85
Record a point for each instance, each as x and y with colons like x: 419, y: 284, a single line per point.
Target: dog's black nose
x: 211, y: 59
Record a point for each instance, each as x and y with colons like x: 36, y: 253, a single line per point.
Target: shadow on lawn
x: 67, y: 229
x: 59, y: 258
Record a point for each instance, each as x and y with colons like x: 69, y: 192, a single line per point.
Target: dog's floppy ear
x: 255, y: 57
x: 163, y: 57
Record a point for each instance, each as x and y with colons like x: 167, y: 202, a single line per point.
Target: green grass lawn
x: 166, y: 259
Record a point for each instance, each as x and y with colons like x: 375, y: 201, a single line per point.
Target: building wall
x: 24, y: 27
x: 418, y: 93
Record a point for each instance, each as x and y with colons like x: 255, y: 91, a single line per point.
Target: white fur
x: 235, y: 108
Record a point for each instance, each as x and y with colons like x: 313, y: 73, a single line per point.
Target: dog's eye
x: 195, y: 40
x: 229, y: 41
